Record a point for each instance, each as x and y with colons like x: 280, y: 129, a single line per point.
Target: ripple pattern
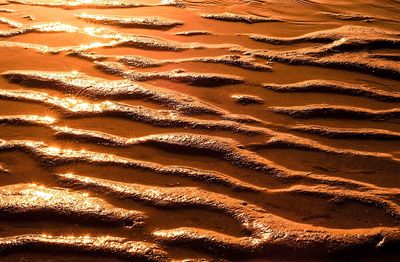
x: 169, y: 130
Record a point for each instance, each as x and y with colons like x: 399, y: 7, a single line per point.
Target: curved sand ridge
x: 194, y: 32
x: 10, y: 22
x: 360, y: 133
x: 103, y: 246
x: 350, y: 16
x: 144, y: 21
x: 325, y: 110
x: 231, y: 17
x: 6, y: 10
x: 199, y: 79
x: 247, y: 99
x: 233, y: 60
x: 336, y: 87
x: 32, y: 201
x: 37, y: 28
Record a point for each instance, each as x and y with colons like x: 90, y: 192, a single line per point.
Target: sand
x: 216, y: 130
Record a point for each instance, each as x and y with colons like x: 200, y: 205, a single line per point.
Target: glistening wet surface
x: 188, y: 130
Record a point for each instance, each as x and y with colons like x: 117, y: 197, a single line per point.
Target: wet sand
x: 189, y: 130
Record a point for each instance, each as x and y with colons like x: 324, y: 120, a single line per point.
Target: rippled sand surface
x: 186, y: 130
